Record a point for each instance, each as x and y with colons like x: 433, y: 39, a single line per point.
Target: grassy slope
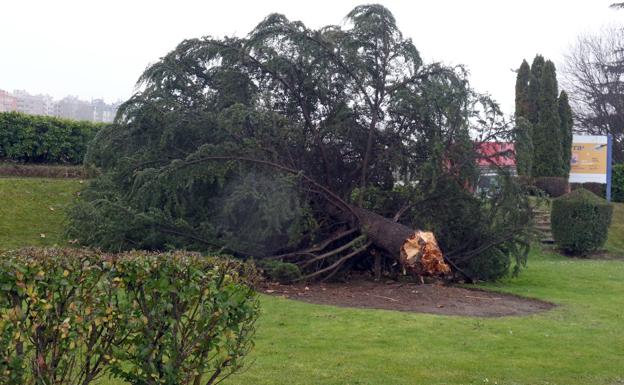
x: 580, y: 342
x: 30, y: 207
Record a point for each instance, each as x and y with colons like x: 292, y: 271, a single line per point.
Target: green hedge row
x: 44, y: 139
x: 70, y: 316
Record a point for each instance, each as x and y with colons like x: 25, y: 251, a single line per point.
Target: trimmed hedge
x: 44, y: 139
x: 580, y: 221
x: 69, y: 316
x: 552, y: 185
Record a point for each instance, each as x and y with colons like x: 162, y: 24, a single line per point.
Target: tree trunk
x: 417, y: 251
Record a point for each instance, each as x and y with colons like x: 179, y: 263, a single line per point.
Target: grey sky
x: 98, y: 49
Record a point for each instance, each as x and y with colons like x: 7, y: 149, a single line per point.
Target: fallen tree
x: 334, y: 149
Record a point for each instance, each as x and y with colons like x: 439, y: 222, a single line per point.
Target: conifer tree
x: 535, y: 80
x: 523, y: 130
x: 523, y: 138
x: 565, y: 117
x: 547, y: 132
x: 522, y: 90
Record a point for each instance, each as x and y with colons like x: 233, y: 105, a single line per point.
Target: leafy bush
x: 58, y: 308
x: 191, y: 318
x: 44, y: 139
x: 282, y: 272
x: 617, y: 183
x: 69, y: 316
x: 580, y: 221
x: 552, y: 185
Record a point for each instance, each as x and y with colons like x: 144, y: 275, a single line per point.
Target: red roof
x: 496, y: 154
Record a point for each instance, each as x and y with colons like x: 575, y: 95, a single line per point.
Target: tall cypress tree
x: 535, y: 85
x: 522, y: 90
x: 548, y: 157
x: 565, y: 118
x: 523, y: 133
x: 523, y: 130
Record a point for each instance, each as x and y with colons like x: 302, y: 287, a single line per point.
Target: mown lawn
x: 32, y: 210
x: 579, y: 342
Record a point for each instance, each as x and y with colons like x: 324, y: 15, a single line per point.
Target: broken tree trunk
x: 417, y: 251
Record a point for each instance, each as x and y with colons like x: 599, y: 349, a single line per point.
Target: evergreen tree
x: 522, y: 90
x: 565, y: 118
x: 262, y: 145
x: 535, y: 81
x: 523, y: 138
x: 547, y: 132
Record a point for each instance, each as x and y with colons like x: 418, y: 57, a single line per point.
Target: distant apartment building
x: 103, y: 112
x: 7, y: 102
x: 69, y: 107
x: 33, y: 104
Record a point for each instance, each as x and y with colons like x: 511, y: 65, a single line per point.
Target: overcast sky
x: 98, y: 49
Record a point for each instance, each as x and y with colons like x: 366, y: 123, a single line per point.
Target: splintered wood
x: 421, y: 255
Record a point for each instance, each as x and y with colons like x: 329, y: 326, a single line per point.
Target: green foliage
x: 64, y: 315
x: 278, y: 271
x: 68, y: 316
x: 43, y: 139
x: 617, y: 183
x: 547, y: 140
x: 469, y: 228
x: 522, y: 90
x: 580, y: 221
x: 523, y: 139
x: 565, y: 118
x: 191, y: 318
x: 278, y: 214
x: 549, y: 118
x: 535, y: 89
x: 253, y: 144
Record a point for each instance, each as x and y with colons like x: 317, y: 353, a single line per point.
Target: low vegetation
x: 70, y: 316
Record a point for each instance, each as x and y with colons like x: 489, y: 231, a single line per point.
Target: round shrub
x: 552, y: 185
x: 580, y: 221
x: 282, y: 272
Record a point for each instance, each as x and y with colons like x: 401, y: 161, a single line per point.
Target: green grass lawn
x: 579, y: 342
x: 32, y: 210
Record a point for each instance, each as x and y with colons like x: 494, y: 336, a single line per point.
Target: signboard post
x: 591, y: 160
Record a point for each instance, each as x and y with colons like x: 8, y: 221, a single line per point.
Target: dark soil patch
x: 428, y: 298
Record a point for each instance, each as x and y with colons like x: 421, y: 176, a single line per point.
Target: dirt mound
x: 430, y: 298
